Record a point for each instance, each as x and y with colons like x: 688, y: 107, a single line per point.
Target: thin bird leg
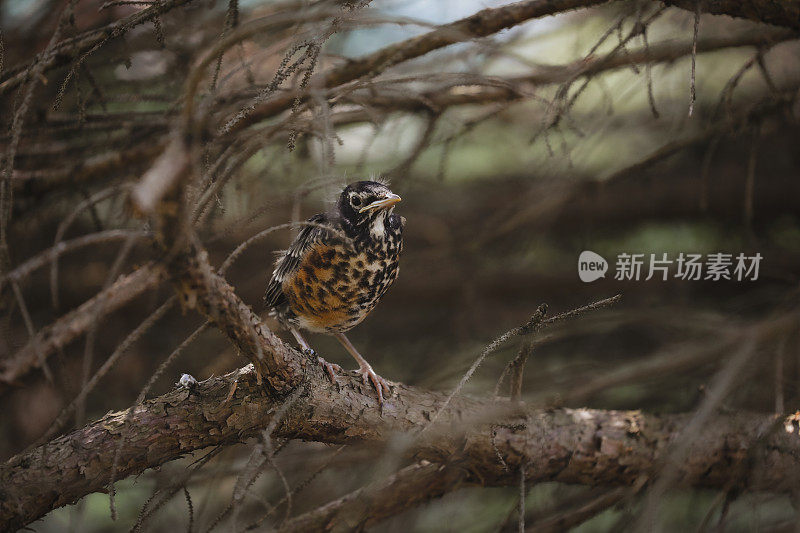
x: 330, y: 368
x: 366, y: 372
x: 301, y: 341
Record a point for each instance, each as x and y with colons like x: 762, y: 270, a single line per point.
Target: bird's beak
x: 390, y: 200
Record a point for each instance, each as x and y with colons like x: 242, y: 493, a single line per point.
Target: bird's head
x: 365, y: 204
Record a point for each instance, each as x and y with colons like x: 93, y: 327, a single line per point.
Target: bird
x: 337, y: 269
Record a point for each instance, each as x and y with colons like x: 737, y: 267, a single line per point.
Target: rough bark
x: 200, y: 288
x: 584, y: 446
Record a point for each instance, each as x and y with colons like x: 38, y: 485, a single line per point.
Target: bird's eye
x: 355, y: 200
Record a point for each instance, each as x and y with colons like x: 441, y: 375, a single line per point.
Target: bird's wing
x: 289, y: 262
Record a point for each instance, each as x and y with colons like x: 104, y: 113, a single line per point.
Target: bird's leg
x: 330, y: 368
x: 308, y: 350
x: 380, y: 384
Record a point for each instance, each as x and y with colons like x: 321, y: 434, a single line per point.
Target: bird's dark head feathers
x: 363, y: 203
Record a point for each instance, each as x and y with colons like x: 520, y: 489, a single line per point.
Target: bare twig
x: 302, y: 485
x: 43, y: 258
x: 536, y: 322
x: 522, y: 495
x: 482, y: 24
x: 190, y: 509
x: 368, y: 505
x: 88, y: 386
x: 517, y: 366
x: 67, y: 222
x: 530, y: 326
x: 782, y: 13
x: 64, y: 51
x: 32, y: 77
x: 692, y: 81
x: 750, y: 180
x: 33, y: 340
x: 580, y: 514
x: 674, y: 461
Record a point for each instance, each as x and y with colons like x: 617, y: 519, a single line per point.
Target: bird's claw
x: 330, y: 368
x: 369, y: 377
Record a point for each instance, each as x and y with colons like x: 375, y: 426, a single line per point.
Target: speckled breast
x: 338, y: 284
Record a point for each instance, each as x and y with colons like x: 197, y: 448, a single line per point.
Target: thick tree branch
x: 590, y: 447
x: 160, y: 192
x: 777, y: 12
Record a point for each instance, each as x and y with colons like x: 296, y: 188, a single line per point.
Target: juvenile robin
x: 338, y: 267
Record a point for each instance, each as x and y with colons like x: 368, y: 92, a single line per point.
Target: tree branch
x: 84, y: 170
x: 460, y: 92
x: 483, y: 442
x: 481, y: 24
x: 75, y: 323
x: 777, y: 12
x: 510, y: 89
x: 369, y: 505
x: 160, y: 192
x: 73, y: 47
x: 584, y: 446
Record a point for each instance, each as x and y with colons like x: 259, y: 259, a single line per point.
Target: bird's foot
x: 330, y: 368
x: 368, y: 376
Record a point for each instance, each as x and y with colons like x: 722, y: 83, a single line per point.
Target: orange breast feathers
x: 314, y: 289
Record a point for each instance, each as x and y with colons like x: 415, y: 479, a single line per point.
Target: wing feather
x: 289, y: 262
